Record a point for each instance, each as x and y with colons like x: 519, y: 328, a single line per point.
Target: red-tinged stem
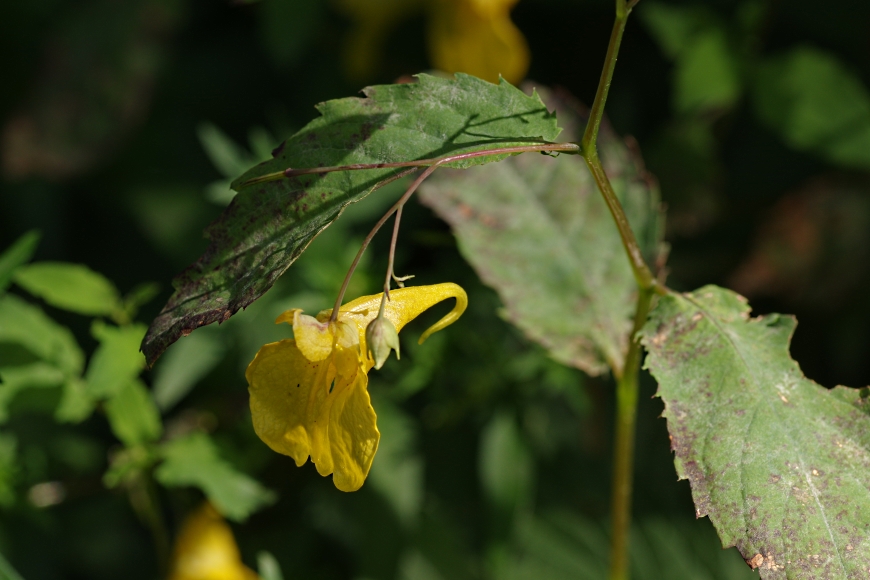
x: 569, y: 148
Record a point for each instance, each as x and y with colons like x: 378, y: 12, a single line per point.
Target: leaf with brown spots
x: 780, y: 464
x: 538, y: 231
x: 269, y: 224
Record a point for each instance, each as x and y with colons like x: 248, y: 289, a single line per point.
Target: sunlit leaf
x: 778, y: 463
x: 16, y: 255
x: 194, y: 460
x: 73, y: 287
x: 817, y: 104
x: 117, y: 360
x: 538, y: 231
x: 132, y: 414
x: 269, y: 224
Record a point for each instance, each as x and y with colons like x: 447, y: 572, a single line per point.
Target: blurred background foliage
x: 122, y: 124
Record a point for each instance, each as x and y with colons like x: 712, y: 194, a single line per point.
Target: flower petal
x: 353, y: 435
x: 313, y: 338
x: 206, y: 550
x: 287, y: 391
x: 300, y: 407
x: 405, y: 305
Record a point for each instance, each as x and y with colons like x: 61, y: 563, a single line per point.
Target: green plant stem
x: 627, y: 377
x: 642, y: 273
x: 623, y: 447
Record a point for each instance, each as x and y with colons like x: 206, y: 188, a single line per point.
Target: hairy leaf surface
x: 269, y: 224
x: 538, y: 231
x: 780, y: 464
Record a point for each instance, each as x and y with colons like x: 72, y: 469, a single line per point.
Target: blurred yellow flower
x: 477, y: 37
x: 309, y: 395
x: 206, y: 550
x: 471, y: 36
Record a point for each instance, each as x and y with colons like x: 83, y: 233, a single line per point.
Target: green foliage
x: 271, y: 222
x: 578, y: 302
x: 817, y: 104
x: 184, y: 366
x: 506, y: 465
x: 133, y: 416
x: 117, y: 361
x: 776, y: 461
x: 17, y: 255
x: 194, y: 460
x: 72, y: 287
x: 707, y: 74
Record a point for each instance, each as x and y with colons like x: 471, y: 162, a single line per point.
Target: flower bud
x: 381, y: 336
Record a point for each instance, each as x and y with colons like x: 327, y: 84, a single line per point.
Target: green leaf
x: 538, y: 231
x: 817, y: 104
x: 505, y: 464
x: 117, y: 360
x: 706, y: 75
x: 194, y: 460
x: 17, y: 254
x: 76, y: 404
x: 133, y: 416
x: 27, y: 325
x: 269, y: 224
x: 777, y: 462
x: 17, y: 378
x: 183, y: 366
x: 8, y: 469
x: 268, y: 567
x: 397, y: 471
x: 72, y: 287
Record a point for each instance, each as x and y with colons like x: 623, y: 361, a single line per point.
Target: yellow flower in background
x: 471, y: 36
x: 477, y: 37
x: 309, y: 395
x: 206, y: 550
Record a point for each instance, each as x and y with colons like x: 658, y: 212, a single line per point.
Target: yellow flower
x: 477, y: 37
x: 309, y: 395
x: 206, y: 550
x: 471, y: 36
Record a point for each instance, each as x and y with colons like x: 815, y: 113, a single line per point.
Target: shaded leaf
x: 194, y: 460
x: 27, y: 325
x: 817, y: 104
x: 16, y: 255
x: 537, y: 230
x: 17, y: 378
x: 505, y: 465
x: 187, y: 363
x: 706, y: 74
x: 778, y: 463
x: 73, y: 287
x: 269, y: 224
x: 117, y: 360
x: 133, y: 416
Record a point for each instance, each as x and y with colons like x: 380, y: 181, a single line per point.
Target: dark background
x: 105, y: 150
